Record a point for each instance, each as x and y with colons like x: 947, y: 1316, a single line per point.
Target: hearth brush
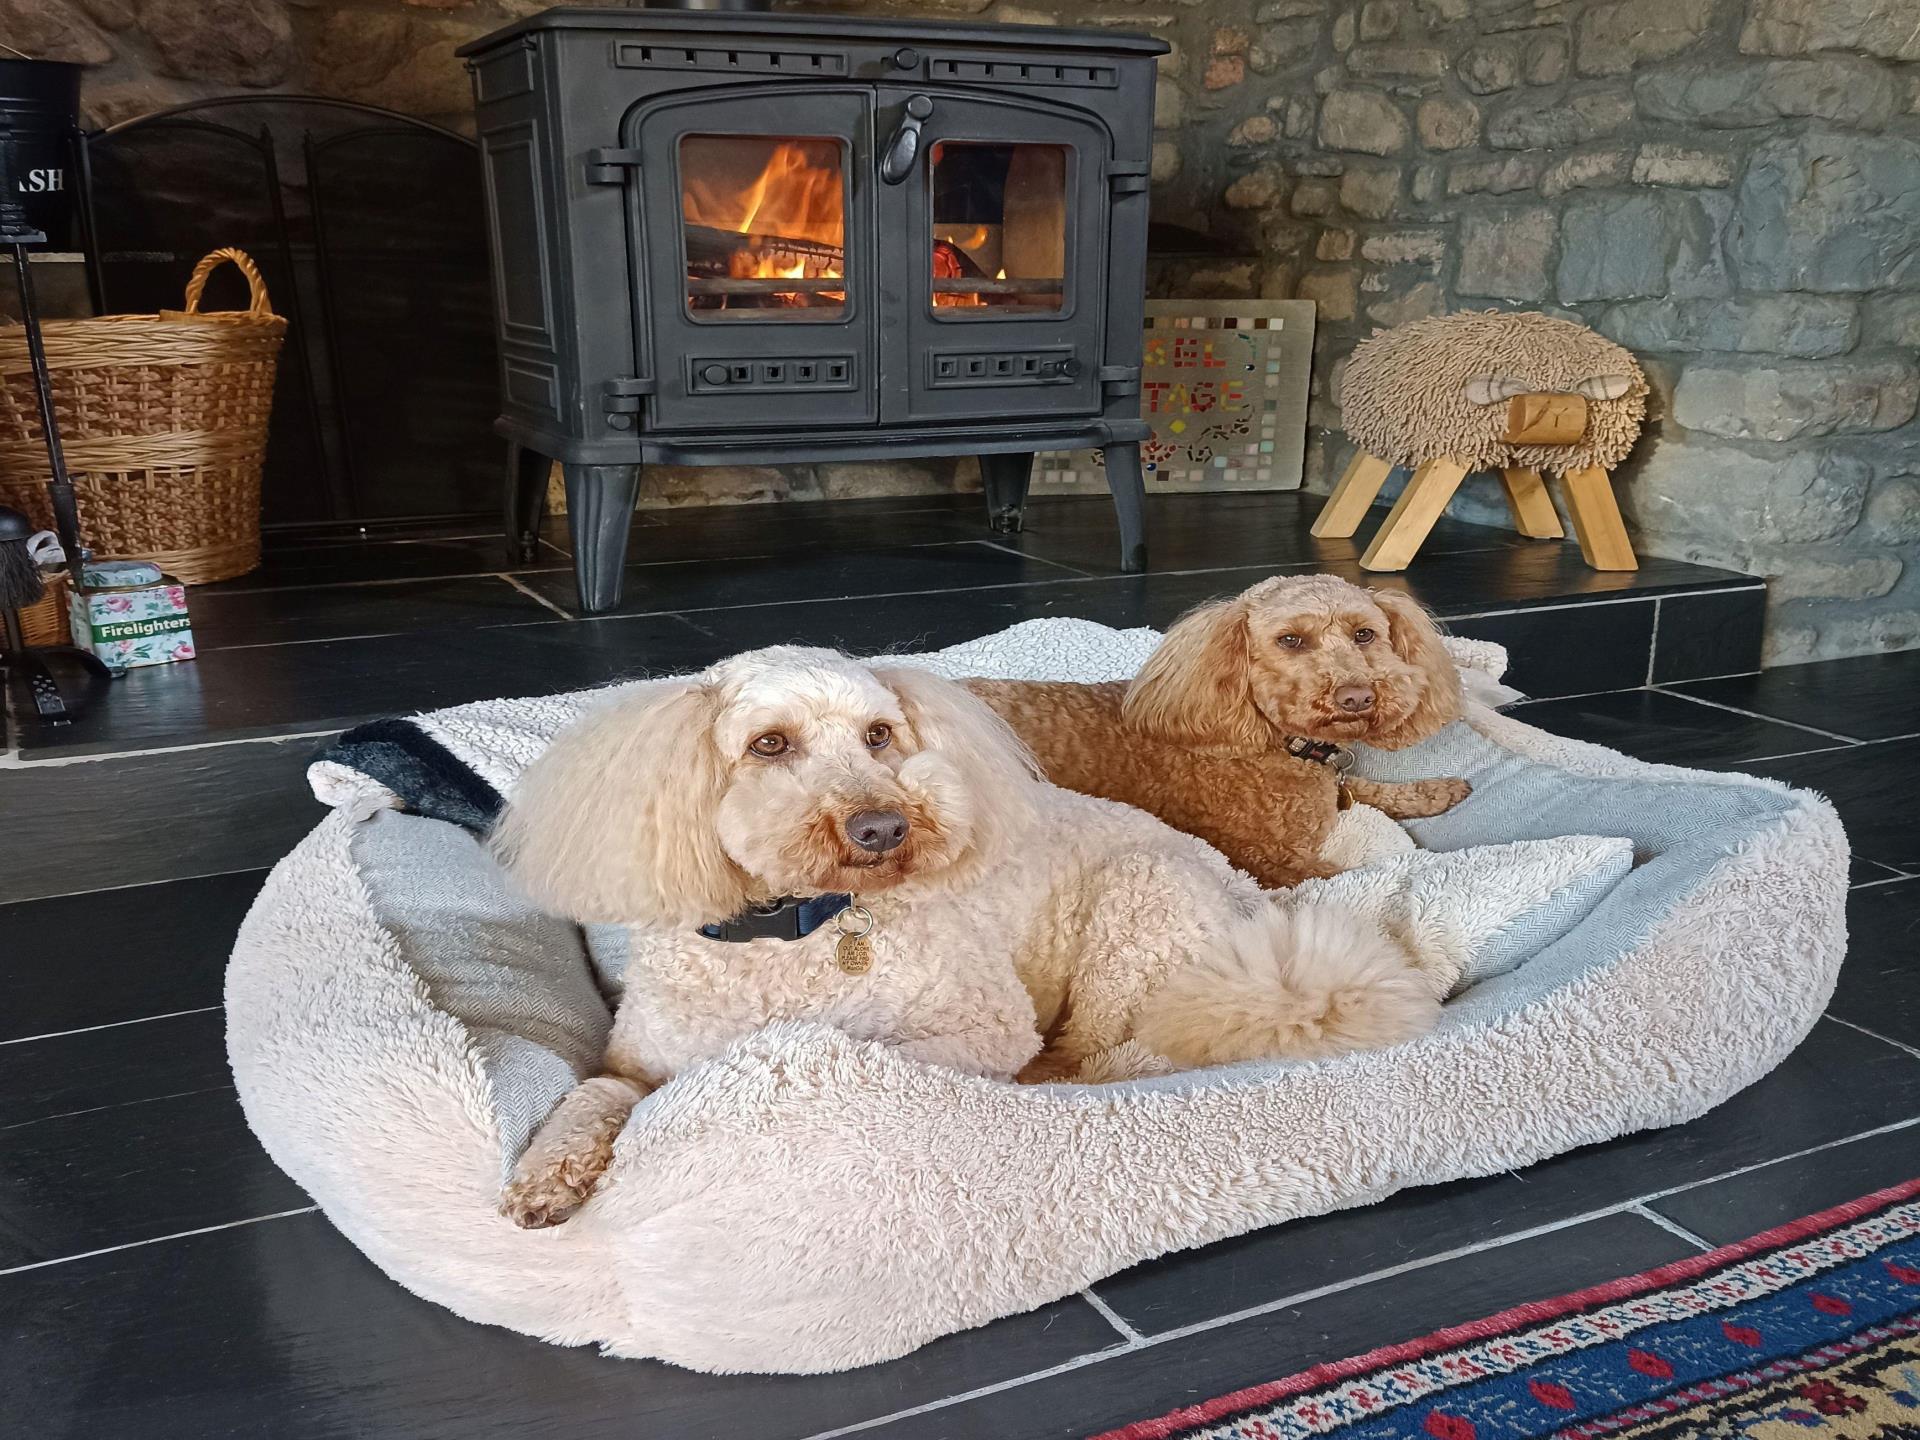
x: 21, y: 586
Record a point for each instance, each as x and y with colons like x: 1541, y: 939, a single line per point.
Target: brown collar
x: 1320, y: 752
x: 1325, y: 752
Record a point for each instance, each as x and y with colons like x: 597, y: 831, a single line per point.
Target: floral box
x: 133, y: 624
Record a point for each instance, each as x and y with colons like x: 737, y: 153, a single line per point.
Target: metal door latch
x: 897, y: 163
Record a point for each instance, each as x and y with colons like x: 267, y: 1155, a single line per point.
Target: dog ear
x: 615, y: 821
x: 1000, y: 771
x: 1416, y: 640
x: 1197, y: 687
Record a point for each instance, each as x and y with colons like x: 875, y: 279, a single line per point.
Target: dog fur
x: 1020, y: 930
x: 1196, y: 737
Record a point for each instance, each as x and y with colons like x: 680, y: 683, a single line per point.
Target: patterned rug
x: 1810, y: 1330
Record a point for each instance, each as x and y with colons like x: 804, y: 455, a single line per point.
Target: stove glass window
x: 766, y: 226
x: 999, y: 229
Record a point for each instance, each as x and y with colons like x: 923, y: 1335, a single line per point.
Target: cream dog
x: 796, y: 835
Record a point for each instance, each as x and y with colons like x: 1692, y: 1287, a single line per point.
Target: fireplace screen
x: 999, y: 227
x: 766, y: 226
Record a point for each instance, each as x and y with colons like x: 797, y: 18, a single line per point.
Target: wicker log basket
x: 164, y: 422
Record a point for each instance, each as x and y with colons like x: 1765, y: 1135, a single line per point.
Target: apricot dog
x: 1201, y: 736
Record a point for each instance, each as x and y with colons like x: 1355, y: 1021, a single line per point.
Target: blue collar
x: 788, y: 918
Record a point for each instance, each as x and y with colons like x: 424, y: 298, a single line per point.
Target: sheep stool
x: 1483, y: 390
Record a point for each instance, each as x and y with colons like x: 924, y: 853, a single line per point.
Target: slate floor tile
x: 1868, y: 697
x: 284, y: 1331
x: 1148, y: 1382
x: 1666, y: 729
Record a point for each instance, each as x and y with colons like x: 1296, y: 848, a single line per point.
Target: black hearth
x: 726, y: 238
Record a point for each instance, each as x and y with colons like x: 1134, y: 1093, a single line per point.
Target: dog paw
x: 1436, y: 797
x: 540, y: 1202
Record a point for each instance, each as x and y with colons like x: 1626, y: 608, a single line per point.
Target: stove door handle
x: 902, y: 149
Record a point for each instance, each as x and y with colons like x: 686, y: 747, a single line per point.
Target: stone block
x: 1506, y: 254
x: 1894, y: 320
x: 402, y: 62
x: 1447, y: 123
x: 1728, y: 95
x: 1821, y: 575
x: 52, y: 32
x: 1587, y: 170
x: 1231, y: 40
x: 1169, y: 105
x: 1543, y: 60
x: 224, y: 42
x: 1343, y: 28
x: 1334, y: 245
x: 1887, y: 28
x: 1255, y: 190
x: 1284, y: 46
x: 1893, y: 512
x: 1427, y: 183
x: 1829, y: 212
x: 1613, y: 38
x: 1333, y: 291
x: 1380, y: 19
x: 1685, y: 489
x: 1405, y: 247
x: 1252, y: 131
x: 1797, y: 401
x: 1313, y: 195
x: 1370, y: 191
x: 1363, y: 120
x: 1417, y: 62
x: 1495, y: 177
x: 1656, y: 242
x: 1166, y: 161
x: 1224, y: 72
x: 1417, y: 303
x: 1556, y: 122
x: 1661, y: 163
x: 1489, y: 68
x: 1275, y: 10
x: 1807, y: 327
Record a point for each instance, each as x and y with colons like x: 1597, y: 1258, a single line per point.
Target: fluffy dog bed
x: 398, y: 1023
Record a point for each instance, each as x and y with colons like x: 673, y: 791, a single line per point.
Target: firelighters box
x: 129, y: 614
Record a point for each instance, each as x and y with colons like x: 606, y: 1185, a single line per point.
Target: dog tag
x: 854, y: 954
x: 1344, y: 800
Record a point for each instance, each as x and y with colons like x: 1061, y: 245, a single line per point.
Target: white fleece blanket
x: 810, y: 1202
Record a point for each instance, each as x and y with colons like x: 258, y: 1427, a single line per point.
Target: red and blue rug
x: 1811, y: 1330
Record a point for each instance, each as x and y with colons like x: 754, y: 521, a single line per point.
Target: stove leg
x: 526, y: 502
x: 1005, y: 479
x: 1129, y: 504
x: 599, y: 511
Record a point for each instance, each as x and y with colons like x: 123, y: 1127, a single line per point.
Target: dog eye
x: 1363, y: 636
x: 879, y: 735
x: 1291, y: 642
x: 770, y: 744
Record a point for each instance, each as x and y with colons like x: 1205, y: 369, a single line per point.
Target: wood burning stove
x: 726, y: 238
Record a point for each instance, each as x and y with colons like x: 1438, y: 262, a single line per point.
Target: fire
x: 794, y: 197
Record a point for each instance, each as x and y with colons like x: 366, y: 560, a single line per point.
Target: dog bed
x: 399, y: 1022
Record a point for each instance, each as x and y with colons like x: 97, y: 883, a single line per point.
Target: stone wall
x: 1729, y: 187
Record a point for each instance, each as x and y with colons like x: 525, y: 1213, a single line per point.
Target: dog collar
x: 791, y: 917
x: 1320, y: 752
x: 1325, y: 752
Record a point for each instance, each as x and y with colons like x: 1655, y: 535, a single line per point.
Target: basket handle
x: 258, y: 306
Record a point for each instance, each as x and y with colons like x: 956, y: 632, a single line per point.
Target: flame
x: 795, y: 196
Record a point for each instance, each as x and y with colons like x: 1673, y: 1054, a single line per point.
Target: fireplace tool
x: 20, y: 583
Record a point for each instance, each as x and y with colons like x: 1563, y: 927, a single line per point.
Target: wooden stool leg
x: 1532, y: 507
x: 1596, y: 520
x: 1347, y: 506
x: 1411, y: 519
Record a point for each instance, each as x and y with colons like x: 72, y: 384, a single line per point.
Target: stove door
x: 751, y: 220
x: 1004, y: 205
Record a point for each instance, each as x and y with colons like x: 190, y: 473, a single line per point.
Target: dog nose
x: 877, y: 830
x: 1354, y: 699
